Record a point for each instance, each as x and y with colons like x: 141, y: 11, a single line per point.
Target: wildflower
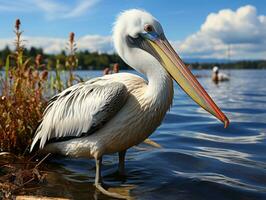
x: 71, y: 37
x: 17, y: 24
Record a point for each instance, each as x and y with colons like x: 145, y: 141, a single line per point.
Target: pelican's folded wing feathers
x: 80, y: 110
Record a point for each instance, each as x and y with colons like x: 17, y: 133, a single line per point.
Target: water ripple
x: 221, y: 179
x: 230, y: 156
x: 232, y: 140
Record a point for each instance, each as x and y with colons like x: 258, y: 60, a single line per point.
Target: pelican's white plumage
x: 70, y: 115
x: 138, y: 115
x: 114, y: 112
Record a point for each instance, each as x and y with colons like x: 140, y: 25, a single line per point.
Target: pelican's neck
x: 160, y: 86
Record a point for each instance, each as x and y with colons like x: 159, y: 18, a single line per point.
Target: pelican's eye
x: 148, y: 28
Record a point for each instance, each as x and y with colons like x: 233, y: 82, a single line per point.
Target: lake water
x: 199, y: 159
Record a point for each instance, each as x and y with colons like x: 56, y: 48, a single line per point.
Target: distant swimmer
x: 116, y: 68
x: 106, y: 71
x: 217, y: 77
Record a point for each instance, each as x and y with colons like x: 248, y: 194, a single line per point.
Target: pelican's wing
x: 80, y: 110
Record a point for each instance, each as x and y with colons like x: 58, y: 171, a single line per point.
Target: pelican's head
x: 140, y: 41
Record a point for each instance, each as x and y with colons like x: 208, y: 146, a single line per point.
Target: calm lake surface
x: 199, y: 159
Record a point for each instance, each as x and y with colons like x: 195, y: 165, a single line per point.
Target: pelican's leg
x: 98, y: 181
x: 121, y: 166
x: 98, y: 176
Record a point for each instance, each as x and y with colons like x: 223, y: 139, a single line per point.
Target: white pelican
x: 217, y: 76
x: 114, y: 112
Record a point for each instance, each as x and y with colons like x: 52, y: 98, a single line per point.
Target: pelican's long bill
x: 184, y: 77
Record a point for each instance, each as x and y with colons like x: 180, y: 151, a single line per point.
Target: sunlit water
x: 199, y: 159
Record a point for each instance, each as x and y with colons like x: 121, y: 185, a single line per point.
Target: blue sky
x: 47, y: 24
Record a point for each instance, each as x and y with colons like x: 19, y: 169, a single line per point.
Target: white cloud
x: 12, y: 6
x: 244, y: 30
x: 55, y: 45
x: 51, y: 9
x: 96, y: 43
x: 81, y: 8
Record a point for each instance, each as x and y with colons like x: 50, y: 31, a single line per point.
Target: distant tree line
x: 244, y: 64
x: 86, y: 60
x: 98, y: 61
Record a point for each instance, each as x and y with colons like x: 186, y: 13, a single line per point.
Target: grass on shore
x: 23, y: 98
x: 23, y: 92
